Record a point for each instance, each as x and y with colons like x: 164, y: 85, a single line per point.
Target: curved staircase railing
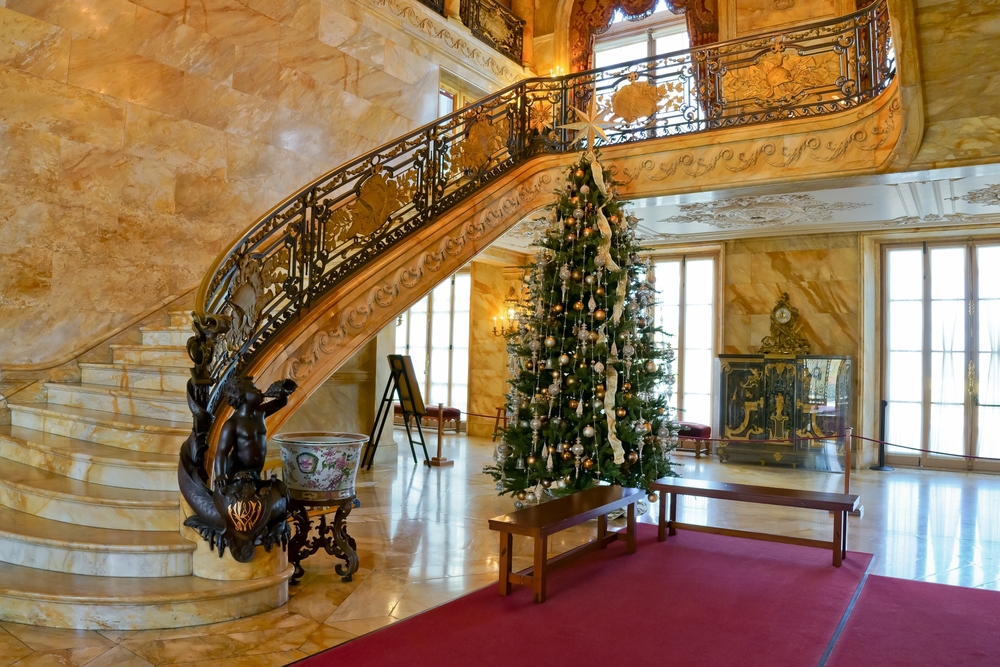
x: 332, y: 227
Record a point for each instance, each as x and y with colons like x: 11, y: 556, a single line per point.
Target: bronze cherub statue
x: 241, y: 510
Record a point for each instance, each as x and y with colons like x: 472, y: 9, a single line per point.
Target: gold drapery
x: 591, y: 17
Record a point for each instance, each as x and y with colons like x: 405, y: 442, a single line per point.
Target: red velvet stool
x: 453, y: 415
x: 689, y: 430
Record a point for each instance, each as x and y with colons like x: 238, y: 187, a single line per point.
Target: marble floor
x: 423, y: 540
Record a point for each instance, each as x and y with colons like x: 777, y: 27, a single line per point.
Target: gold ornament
x: 588, y: 463
x: 530, y: 460
x: 652, y: 497
x: 620, y: 412
x: 632, y: 457
x: 578, y: 305
x: 600, y: 315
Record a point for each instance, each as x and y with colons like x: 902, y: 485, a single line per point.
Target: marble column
x: 525, y: 9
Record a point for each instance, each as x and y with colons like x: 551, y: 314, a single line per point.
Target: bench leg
x: 673, y: 513
x: 661, y: 533
x: 602, y: 528
x: 630, y: 530
x: 506, y: 551
x: 538, y: 575
x: 838, y: 536
x: 843, y: 550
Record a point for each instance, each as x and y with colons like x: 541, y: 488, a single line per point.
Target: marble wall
x: 960, y: 69
x: 345, y: 402
x: 137, y: 138
x: 487, y: 352
x: 739, y: 18
x: 822, y: 275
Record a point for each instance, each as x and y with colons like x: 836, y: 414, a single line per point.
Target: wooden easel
x: 403, y: 383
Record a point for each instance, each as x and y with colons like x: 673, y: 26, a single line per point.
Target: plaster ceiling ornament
x: 525, y: 232
x: 782, y: 77
x: 988, y: 196
x: 760, y: 211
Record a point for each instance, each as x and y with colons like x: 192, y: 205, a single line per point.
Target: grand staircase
x: 89, y: 508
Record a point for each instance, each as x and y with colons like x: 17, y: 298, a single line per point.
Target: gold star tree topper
x: 589, y: 122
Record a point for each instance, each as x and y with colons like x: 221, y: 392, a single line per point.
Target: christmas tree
x: 589, y: 378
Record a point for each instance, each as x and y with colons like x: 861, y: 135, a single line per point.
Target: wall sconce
x: 511, y: 318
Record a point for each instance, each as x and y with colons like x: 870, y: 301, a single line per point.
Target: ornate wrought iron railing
x: 328, y: 230
x: 436, y: 5
x: 496, y: 25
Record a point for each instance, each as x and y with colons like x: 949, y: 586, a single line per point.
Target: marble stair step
x: 85, y: 602
x: 27, y: 539
x: 149, y: 403
x: 151, y: 355
x: 134, y: 376
x: 166, y: 336
x: 139, y: 434
x: 51, y: 496
x: 88, y: 461
x: 180, y: 318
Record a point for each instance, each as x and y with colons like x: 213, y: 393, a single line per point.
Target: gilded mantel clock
x: 784, y: 338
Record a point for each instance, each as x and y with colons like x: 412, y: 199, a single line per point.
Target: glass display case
x: 784, y: 410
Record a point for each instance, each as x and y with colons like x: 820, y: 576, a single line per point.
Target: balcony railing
x: 496, y: 25
x: 329, y: 230
x: 436, y: 5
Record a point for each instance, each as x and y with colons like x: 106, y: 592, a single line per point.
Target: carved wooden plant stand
x: 332, y: 537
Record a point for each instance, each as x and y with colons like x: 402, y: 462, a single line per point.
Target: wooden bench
x: 840, y: 504
x: 540, y: 521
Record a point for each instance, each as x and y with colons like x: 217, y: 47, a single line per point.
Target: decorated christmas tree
x: 590, y: 378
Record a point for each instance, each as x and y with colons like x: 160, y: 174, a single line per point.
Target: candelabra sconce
x: 511, y: 317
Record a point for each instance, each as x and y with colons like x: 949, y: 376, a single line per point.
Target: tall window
x: 451, y: 99
x: 942, y: 351
x: 624, y: 42
x: 685, y: 309
x: 435, y: 333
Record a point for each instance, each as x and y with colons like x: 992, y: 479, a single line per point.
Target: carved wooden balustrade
x: 496, y: 25
x: 331, y: 228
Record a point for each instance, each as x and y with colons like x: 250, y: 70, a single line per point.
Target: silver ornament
x: 589, y: 432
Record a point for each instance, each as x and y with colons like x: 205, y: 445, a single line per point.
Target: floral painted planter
x: 320, y: 466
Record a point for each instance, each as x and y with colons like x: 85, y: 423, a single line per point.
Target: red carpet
x: 696, y: 599
x: 898, y: 622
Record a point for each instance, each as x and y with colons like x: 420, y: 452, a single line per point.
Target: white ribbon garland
x: 609, y: 411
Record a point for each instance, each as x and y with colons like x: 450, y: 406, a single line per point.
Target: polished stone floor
x: 423, y: 540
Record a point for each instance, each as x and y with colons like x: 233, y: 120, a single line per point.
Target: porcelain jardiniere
x: 320, y: 465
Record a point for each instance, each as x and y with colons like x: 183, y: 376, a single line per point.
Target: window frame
x: 971, y: 343
x: 407, y: 318
x: 716, y: 254
x: 628, y: 32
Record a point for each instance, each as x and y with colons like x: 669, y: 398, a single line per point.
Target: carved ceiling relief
x: 760, y: 211
x: 988, y: 196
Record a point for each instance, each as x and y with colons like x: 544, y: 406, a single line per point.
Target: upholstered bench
x: 453, y: 415
x: 689, y: 430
